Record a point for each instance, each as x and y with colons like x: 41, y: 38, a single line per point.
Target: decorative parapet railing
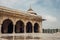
x: 23, y: 34
x: 30, y: 36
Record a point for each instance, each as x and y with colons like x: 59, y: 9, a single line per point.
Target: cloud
x: 50, y: 22
x: 8, y: 3
x: 43, y: 3
x: 11, y: 3
x: 50, y: 3
x: 46, y: 8
x: 50, y: 18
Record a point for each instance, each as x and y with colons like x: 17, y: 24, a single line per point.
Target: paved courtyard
x: 44, y: 36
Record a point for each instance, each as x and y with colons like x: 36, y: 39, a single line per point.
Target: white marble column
x: 0, y: 28
x: 13, y: 31
x: 0, y: 31
x: 51, y: 31
x: 24, y: 30
x: 33, y: 30
x: 40, y: 27
x: 24, y: 27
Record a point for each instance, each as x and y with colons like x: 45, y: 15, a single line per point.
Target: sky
x: 48, y: 9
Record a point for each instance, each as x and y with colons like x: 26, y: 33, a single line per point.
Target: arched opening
x: 29, y: 27
x: 7, y: 26
x: 19, y: 27
x: 36, y: 28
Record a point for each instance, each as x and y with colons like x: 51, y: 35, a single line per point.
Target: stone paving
x: 55, y: 36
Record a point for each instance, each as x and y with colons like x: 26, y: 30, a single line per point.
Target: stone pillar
x: 0, y: 31
x: 24, y: 27
x: 33, y: 30
x: 24, y: 30
x: 32, y: 27
x: 58, y: 30
x: 40, y: 27
x: 13, y: 31
x: 0, y: 28
x: 52, y: 30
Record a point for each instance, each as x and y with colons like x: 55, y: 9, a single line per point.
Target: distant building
x: 50, y: 30
x: 18, y: 24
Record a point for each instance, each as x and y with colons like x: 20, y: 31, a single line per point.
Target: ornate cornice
x: 17, y: 13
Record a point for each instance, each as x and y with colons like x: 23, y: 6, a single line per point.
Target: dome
x: 30, y: 10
